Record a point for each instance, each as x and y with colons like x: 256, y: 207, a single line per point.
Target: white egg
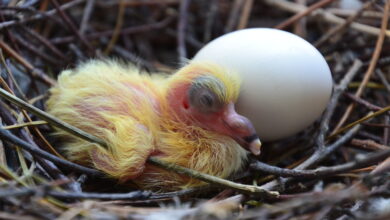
x: 286, y: 81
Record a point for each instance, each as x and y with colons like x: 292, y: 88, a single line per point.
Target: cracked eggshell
x: 286, y: 81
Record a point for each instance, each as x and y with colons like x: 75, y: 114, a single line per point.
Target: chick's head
x: 204, y: 94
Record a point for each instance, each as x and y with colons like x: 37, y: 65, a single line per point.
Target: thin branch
x: 245, y: 14
x: 124, y: 31
x: 118, y: 27
x: 338, y: 90
x: 86, y: 16
x: 7, y: 135
x: 339, y: 28
x: 182, y: 29
x: 71, y: 25
x: 327, y: 16
x: 26, y: 124
x: 41, y: 15
x: 214, y: 180
x: 34, y: 71
x: 383, y: 78
x: 368, y: 160
x: 365, y: 118
x: 50, y: 119
x: 302, y: 14
x: 135, y: 195
x: 363, y: 102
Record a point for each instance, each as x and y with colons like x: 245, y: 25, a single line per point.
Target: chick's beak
x: 242, y: 130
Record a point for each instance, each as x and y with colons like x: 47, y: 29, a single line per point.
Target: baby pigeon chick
x: 187, y: 119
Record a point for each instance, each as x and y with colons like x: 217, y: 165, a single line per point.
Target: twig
x: 327, y: 16
x: 124, y: 31
x: 86, y: 16
x: 135, y: 195
x: 35, y: 50
x: 371, y: 68
x: 181, y: 29
x: 214, y: 180
x: 382, y: 77
x: 368, y: 160
x: 71, y: 25
x: 341, y: 130
x: 343, y: 26
x: 118, y: 27
x: 302, y: 14
x: 245, y: 14
x: 6, y: 135
x: 42, y: 15
x: 368, y: 144
x: 45, y: 42
x: 233, y: 15
x: 21, y: 125
x: 363, y: 102
x: 34, y: 71
x: 338, y: 90
x: 52, y: 120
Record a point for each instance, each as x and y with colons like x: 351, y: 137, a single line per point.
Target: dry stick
x: 48, y: 167
x: 118, y: 27
x: 88, y: 137
x: 209, y: 20
x: 11, y: 76
x: 36, y: 51
x: 368, y: 144
x: 341, y: 130
x: 363, y: 102
x: 338, y: 90
x: 71, y: 25
x: 368, y: 160
x: 300, y: 26
x: 36, y: 73
x: 246, y: 12
x: 41, y: 15
x: 327, y: 16
x: 36, y: 130
x: 302, y: 14
x: 124, y: 31
x: 7, y: 135
x: 321, y: 150
x: 45, y: 42
x: 135, y: 195
x: 181, y: 29
x: 338, y: 29
x: 212, y: 179
x: 86, y: 16
x: 382, y: 77
x: 371, y: 68
x: 27, y: 124
x: 46, y: 117
x: 233, y: 15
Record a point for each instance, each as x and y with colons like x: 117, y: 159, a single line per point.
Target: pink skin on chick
x: 225, y: 121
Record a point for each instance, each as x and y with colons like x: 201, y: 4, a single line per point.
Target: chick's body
x: 135, y: 114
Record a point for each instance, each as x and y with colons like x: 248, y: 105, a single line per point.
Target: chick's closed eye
x: 203, y: 94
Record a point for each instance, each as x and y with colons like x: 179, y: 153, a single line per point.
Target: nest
x: 336, y: 169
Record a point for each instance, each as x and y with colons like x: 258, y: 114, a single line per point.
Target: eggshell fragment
x: 286, y: 81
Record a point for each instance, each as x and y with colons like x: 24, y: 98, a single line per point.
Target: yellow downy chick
x: 187, y: 118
